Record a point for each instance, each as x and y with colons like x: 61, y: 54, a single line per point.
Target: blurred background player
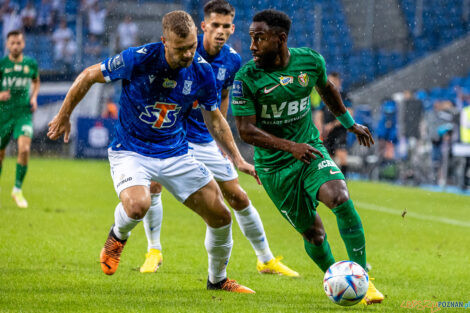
x: 18, y: 74
x: 160, y: 82
x: 333, y: 134
x: 217, y: 26
x: 272, y: 110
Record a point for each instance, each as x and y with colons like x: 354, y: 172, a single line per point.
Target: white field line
x: 438, y: 219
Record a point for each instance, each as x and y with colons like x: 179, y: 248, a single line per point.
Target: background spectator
x: 60, y: 36
x: 93, y: 50
x: 10, y: 17
x: 28, y: 17
x: 96, y: 20
x: 127, y: 34
x: 44, y: 21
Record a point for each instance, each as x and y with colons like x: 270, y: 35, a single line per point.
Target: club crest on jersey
x: 160, y: 115
x: 26, y: 69
x: 187, y: 87
x: 303, y: 79
x: 221, y: 73
x: 286, y: 80
x: 168, y: 83
x: 237, y: 89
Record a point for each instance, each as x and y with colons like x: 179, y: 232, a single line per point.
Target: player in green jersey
x: 271, y: 104
x: 17, y: 74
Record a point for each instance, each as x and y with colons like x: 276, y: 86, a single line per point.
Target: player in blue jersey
x: 160, y: 83
x: 225, y: 61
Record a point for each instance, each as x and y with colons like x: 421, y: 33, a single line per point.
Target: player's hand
x: 304, y: 152
x: 34, y: 105
x: 249, y: 169
x: 5, y: 95
x: 363, y: 134
x: 58, y: 126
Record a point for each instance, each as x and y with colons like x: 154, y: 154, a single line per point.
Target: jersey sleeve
x: 208, y: 97
x: 242, y: 98
x: 237, y: 62
x: 34, y: 69
x: 322, y: 78
x: 119, y: 66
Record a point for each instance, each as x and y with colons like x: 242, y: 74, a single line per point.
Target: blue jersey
x: 156, y: 100
x: 225, y: 65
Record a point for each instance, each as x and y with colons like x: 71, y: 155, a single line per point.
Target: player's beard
x: 267, y: 60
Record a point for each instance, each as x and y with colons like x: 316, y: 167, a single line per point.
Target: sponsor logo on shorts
x: 123, y: 181
x: 204, y: 170
x: 326, y: 163
x: 334, y: 172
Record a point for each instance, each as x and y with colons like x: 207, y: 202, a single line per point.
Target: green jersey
x: 17, y: 77
x: 280, y: 100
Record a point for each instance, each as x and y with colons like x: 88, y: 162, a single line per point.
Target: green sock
x: 20, y: 174
x: 321, y: 254
x: 350, y: 228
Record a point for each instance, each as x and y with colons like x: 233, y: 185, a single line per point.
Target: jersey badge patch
x: 115, y: 63
x: 221, y: 73
x: 286, y: 80
x: 237, y: 89
x: 187, y: 87
x: 168, y: 83
x: 26, y: 69
x: 303, y: 79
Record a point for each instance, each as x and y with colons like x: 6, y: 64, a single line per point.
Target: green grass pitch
x: 49, y: 251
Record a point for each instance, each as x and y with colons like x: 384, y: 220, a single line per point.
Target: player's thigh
x: 23, y: 126
x: 220, y: 166
x: 319, y: 172
x: 208, y: 203
x: 285, y: 188
x: 182, y: 176
x: 234, y: 194
x: 333, y: 193
x: 6, y: 130
x: 128, y: 169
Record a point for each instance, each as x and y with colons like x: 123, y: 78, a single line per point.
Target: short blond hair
x: 178, y: 22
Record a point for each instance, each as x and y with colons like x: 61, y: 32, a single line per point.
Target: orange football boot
x: 229, y: 285
x: 111, y: 253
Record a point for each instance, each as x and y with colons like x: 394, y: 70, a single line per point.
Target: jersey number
x: 160, y: 115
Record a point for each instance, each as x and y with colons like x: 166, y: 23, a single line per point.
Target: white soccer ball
x: 346, y: 283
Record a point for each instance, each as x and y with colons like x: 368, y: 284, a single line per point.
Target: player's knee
x: 315, y: 236
x: 137, y: 207
x: 2, y: 156
x: 340, y: 197
x: 221, y: 218
x: 239, y: 200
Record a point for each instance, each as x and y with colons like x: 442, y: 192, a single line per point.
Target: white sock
x: 250, y: 223
x: 218, y: 244
x: 123, y: 224
x: 153, y: 222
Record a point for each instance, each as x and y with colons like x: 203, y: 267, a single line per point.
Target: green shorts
x: 16, y: 124
x: 294, y: 189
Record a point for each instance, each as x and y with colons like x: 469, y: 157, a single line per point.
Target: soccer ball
x: 346, y: 283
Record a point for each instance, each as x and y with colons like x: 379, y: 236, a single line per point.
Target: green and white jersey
x: 281, y: 102
x: 17, y: 77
